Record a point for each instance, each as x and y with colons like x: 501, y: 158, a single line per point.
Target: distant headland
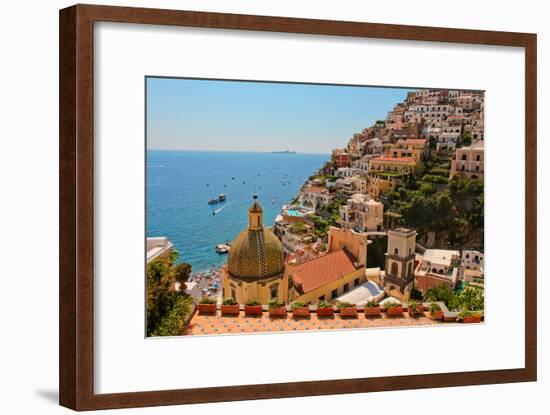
x: 283, y: 152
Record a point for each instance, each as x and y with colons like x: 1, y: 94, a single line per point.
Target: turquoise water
x: 180, y: 183
x: 294, y: 212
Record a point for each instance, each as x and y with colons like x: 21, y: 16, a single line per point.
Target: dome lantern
x: 255, y: 215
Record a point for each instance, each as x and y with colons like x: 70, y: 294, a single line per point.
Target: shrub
x: 208, y: 300
x: 414, y: 307
x: 275, y: 303
x: 344, y: 304
x: 434, y: 307
x: 173, y: 323
x: 432, y: 178
x: 371, y: 304
x: 229, y: 301
x: 440, y: 293
x: 252, y: 302
x: 298, y: 304
x: 323, y: 304
x: 298, y: 227
x: 468, y: 313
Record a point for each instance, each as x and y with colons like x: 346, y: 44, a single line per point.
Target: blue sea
x: 180, y: 183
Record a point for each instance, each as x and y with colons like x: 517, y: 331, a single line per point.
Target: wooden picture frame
x: 76, y: 121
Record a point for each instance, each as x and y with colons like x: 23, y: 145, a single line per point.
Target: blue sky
x: 188, y: 114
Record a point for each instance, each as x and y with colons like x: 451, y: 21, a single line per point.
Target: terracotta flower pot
x: 348, y: 312
x: 277, y: 312
x: 395, y: 311
x: 253, y: 310
x: 207, y: 308
x: 230, y: 310
x: 471, y: 319
x: 372, y: 311
x: 325, y: 312
x: 300, y: 312
x: 437, y: 315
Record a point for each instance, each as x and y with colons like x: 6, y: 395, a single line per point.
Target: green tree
x: 465, y: 140
x: 182, y: 272
x: 162, y: 297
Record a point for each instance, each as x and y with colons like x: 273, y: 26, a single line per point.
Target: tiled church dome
x: 256, y: 252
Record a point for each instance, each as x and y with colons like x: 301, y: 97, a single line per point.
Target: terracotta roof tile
x: 319, y: 271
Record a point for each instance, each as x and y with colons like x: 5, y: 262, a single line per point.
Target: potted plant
x: 207, y: 305
x: 324, y: 309
x: 469, y: 316
x: 346, y: 309
x: 277, y: 308
x: 435, y: 312
x: 300, y: 309
x: 252, y: 308
x: 392, y: 308
x: 372, y: 309
x: 415, y: 309
x: 230, y: 307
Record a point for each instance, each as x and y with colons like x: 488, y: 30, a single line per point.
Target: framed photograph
x: 258, y: 207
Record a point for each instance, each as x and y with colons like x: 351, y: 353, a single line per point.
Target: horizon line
x: 234, y: 151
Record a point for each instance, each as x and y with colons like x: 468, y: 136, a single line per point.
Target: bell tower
x: 255, y: 215
x: 400, y: 262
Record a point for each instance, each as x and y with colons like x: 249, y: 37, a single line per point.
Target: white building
x: 437, y: 266
x: 315, y: 197
x: 472, y: 259
x: 362, y: 213
x: 158, y: 247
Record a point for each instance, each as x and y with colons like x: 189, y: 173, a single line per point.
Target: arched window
x: 394, y: 268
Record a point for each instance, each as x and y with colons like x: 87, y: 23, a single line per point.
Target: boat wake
x: 220, y: 209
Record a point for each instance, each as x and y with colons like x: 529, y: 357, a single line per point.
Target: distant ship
x: 221, y: 198
x: 283, y: 152
x: 222, y: 248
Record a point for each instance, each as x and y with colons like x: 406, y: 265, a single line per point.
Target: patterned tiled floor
x: 215, y: 324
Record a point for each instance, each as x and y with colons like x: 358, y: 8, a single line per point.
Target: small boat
x: 222, y: 248
x: 232, y: 178
x: 221, y: 197
x: 213, y: 201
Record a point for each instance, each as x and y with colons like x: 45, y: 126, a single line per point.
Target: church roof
x: 256, y: 254
x: 255, y: 208
x: 327, y: 268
